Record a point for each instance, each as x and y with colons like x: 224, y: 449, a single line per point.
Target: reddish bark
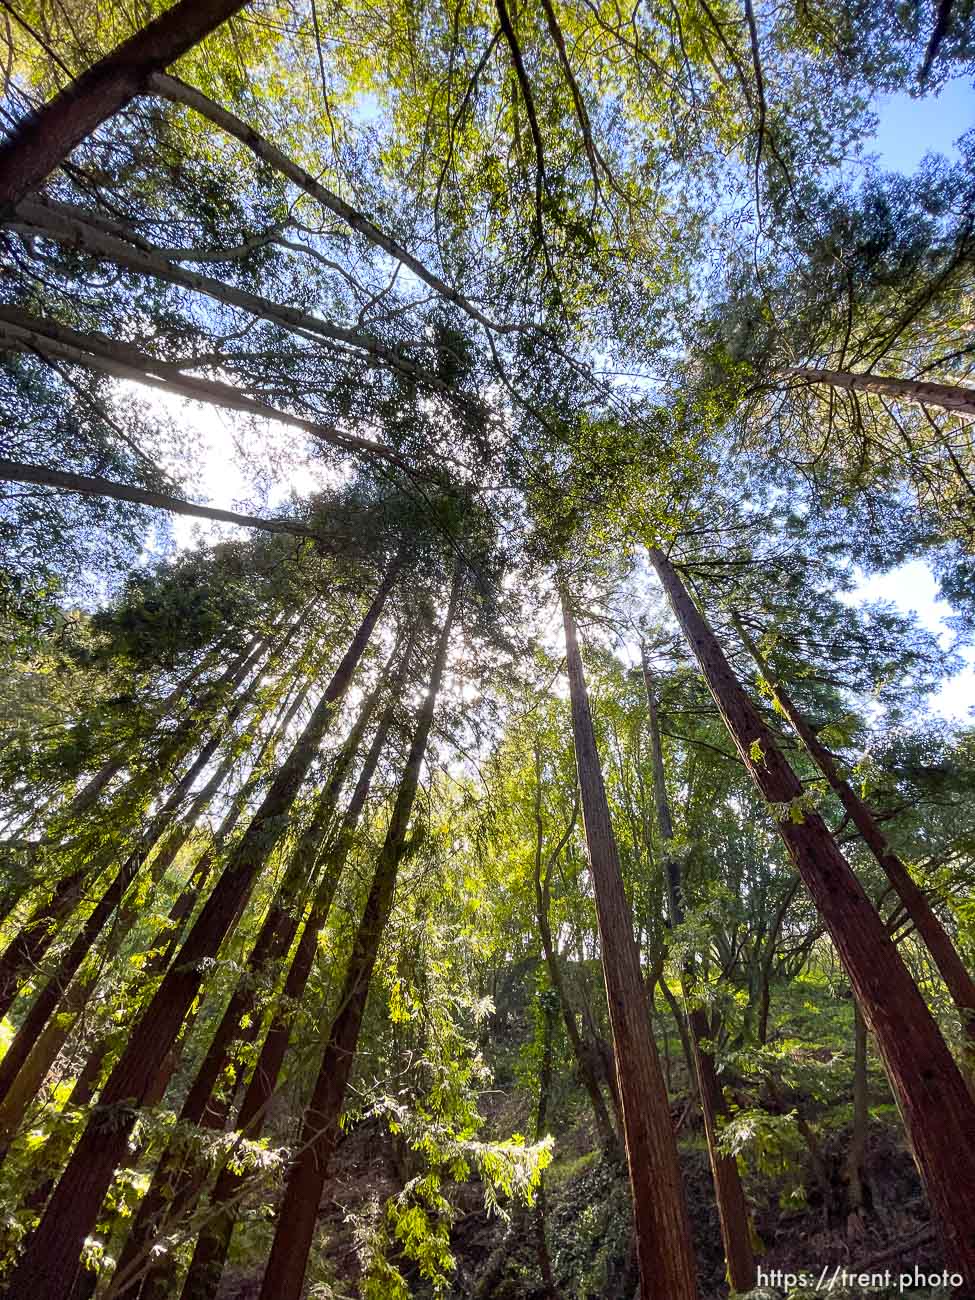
x: 25, y: 952
x: 175, y: 1182
x: 206, y: 1268
x: 958, y: 981
x: 938, y: 1113
x: 50, y: 1261
x: 42, y: 141
x: 664, y: 1252
x: 285, y: 1272
x: 543, y: 894
x: 55, y: 992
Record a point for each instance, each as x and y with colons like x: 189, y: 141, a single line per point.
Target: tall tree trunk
x: 176, y: 1180
x: 180, y: 93
x: 43, y: 140
x: 50, y: 1261
x: 957, y: 980
x: 206, y: 1268
x: 542, y: 879
x: 664, y: 1252
x: 54, y: 993
x: 857, y: 1153
x: 161, y: 955
x: 72, y: 227
x: 938, y: 1113
x: 285, y: 1272
x: 953, y: 397
x: 53, y: 341
x: 192, y: 891
x: 90, y: 486
x: 729, y: 1193
x: 22, y: 956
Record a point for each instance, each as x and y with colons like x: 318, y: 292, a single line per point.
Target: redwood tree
x: 285, y: 1272
x: 938, y: 1112
x: 958, y: 981
x: 50, y: 1262
x: 43, y: 140
x: 664, y: 1252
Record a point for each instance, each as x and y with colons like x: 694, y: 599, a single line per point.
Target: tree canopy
x: 465, y: 832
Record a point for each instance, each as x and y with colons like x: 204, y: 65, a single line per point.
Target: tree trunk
x: 856, y: 1156
x: 50, y: 1261
x: 55, y: 992
x: 681, y: 1023
x: 44, y: 140
x: 70, y: 226
x: 50, y: 339
x: 180, y: 93
x: 952, y: 397
x: 730, y: 1195
x: 604, y: 1125
x: 201, y: 1106
x: 203, y: 1279
x: 160, y: 956
x: 664, y: 1252
x: 285, y: 1272
x: 90, y: 486
x: 938, y: 1113
x: 184, y: 904
x: 957, y: 980
x: 25, y: 952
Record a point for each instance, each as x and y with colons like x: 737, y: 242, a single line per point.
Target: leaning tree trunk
x: 176, y: 1181
x: 25, y: 952
x: 90, y: 486
x: 193, y: 889
x: 43, y: 140
x: 54, y: 995
x: 664, y: 1252
x: 938, y: 1113
x: 958, y: 981
x: 50, y: 1262
x: 160, y: 956
x: 952, y: 397
x: 285, y: 1272
x: 53, y: 341
x: 730, y: 1196
x: 206, y: 1268
x: 71, y: 226
x: 269, y: 155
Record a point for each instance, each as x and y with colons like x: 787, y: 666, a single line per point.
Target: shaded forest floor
x: 587, y: 1224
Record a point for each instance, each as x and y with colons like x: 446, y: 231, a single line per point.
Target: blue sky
x: 910, y: 128
x: 907, y: 130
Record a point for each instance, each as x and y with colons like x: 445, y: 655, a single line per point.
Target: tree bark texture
x: 43, y: 140
x: 938, y: 1113
x: 945, y: 955
x: 951, y: 397
x: 664, y: 1251
x: 50, y: 1261
x: 285, y: 1271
